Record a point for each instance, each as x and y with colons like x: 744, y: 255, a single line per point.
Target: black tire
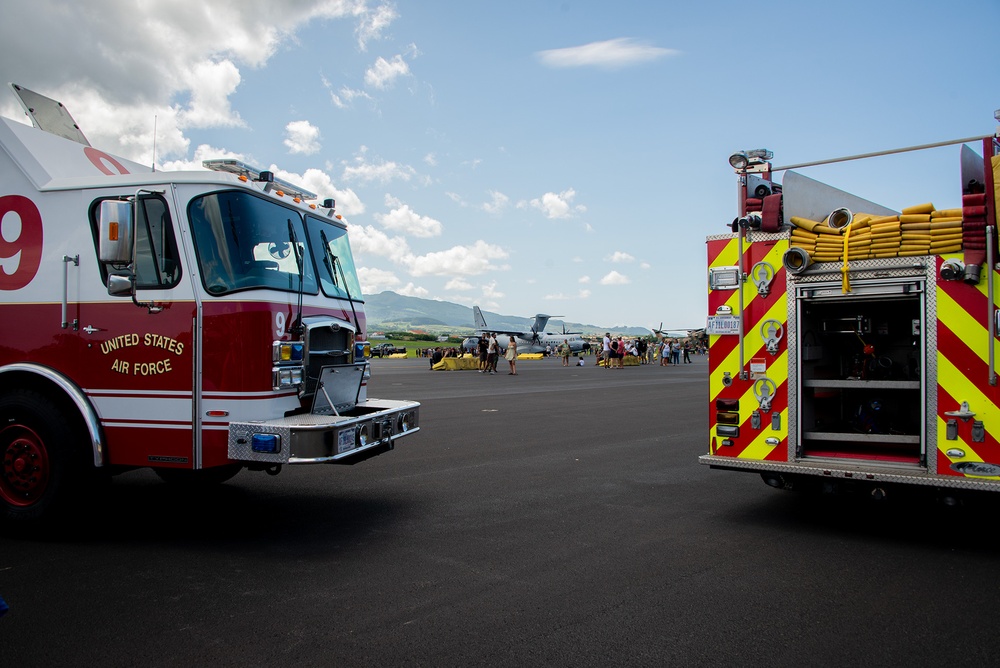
x: 44, y: 461
x: 200, y: 478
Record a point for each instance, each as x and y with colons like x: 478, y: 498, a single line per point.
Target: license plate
x: 345, y: 440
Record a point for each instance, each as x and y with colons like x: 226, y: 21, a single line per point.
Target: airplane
x: 533, y: 341
x: 680, y: 333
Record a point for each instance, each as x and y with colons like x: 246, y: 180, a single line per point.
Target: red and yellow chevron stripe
x: 963, y: 371
x: 724, y: 355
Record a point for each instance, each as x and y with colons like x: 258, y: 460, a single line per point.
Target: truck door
x: 137, y: 353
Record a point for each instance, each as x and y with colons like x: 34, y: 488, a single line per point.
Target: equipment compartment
x: 861, y: 388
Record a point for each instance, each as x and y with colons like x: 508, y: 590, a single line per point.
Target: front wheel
x: 41, y: 458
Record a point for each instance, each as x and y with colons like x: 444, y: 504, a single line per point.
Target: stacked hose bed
x: 918, y: 230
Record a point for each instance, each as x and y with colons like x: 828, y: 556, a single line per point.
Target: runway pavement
x: 557, y: 517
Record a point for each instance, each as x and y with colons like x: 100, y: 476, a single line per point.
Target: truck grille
x: 328, y: 342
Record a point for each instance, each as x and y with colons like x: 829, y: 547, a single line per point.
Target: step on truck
x: 193, y: 322
x: 852, y: 346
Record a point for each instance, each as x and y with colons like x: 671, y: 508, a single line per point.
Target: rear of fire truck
x: 196, y: 323
x: 851, y: 345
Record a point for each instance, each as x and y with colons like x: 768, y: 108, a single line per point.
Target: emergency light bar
x: 254, y: 174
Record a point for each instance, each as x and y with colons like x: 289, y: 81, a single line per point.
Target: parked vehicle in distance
x: 386, y: 349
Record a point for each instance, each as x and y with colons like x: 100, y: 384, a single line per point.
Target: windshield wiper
x: 297, y: 327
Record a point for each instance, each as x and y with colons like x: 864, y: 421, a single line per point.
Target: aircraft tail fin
x: 477, y: 316
x: 540, y: 321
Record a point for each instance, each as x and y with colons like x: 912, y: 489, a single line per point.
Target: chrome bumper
x: 367, y: 430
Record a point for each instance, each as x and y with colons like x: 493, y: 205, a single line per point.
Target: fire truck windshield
x: 332, y: 255
x: 246, y: 242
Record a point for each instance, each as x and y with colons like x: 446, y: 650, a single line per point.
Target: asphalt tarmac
x: 557, y: 517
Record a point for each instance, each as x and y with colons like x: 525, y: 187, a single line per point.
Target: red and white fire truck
x: 853, y: 346
x: 195, y: 322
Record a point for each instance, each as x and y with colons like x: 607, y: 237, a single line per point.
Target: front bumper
x: 369, y: 429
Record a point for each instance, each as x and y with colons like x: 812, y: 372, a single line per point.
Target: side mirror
x: 119, y: 285
x: 116, y: 233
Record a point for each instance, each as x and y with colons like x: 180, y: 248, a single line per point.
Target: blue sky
x: 560, y: 157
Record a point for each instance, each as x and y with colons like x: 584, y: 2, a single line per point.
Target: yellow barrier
x: 456, y: 364
x: 530, y: 356
x: 630, y: 360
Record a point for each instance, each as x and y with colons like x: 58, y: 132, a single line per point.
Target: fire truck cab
x: 853, y: 346
x: 195, y: 322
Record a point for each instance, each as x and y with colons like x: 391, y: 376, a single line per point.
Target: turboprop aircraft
x: 679, y: 333
x: 533, y: 341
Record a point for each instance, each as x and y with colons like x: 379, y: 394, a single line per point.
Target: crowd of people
x: 611, y: 352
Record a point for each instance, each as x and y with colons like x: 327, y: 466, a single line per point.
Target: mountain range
x: 391, y: 311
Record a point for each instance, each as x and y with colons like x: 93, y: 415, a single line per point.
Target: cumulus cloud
x: 374, y: 281
x: 201, y: 153
x: 620, y: 256
x: 401, y: 218
x: 383, y: 73
x: 173, y: 62
x: 583, y: 279
x: 557, y: 205
x: 369, y: 240
x: 471, y: 260
x: 317, y: 181
x: 610, y: 54
x: 302, y: 137
x: 458, y: 284
x: 614, y: 278
x: 411, y: 290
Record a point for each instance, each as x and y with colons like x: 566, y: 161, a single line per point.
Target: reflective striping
x: 724, y: 351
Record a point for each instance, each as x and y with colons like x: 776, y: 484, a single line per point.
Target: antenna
x: 154, y: 142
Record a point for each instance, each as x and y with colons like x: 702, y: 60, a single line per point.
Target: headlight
x: 286, y: 377
x: 362, y: 434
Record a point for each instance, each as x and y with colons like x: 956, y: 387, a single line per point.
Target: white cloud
x: 374, y: 281
x: 319, y: 182
x: 367, y: 239
x: 645, y: 265
x: 459, y: 261
x: 614, y: 278
x: 557, y: 205
x: 431, y: 160
x: 584, y: 279
x: 456, y: 198
x: 402, y: 218
x: 383, y: 73
x: 373, y: 23
x: 202, y: 152
x: 458, y: 284
x: 610, y: 54
x: 490, y: 291
x: 620, y: 256
x: 345, y: 96
x: 498, y: 202
x: 581, y: 294
x: 383, y: 171
x: 411, y: 290
x: 302, y: 137
x: 173, y: 62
